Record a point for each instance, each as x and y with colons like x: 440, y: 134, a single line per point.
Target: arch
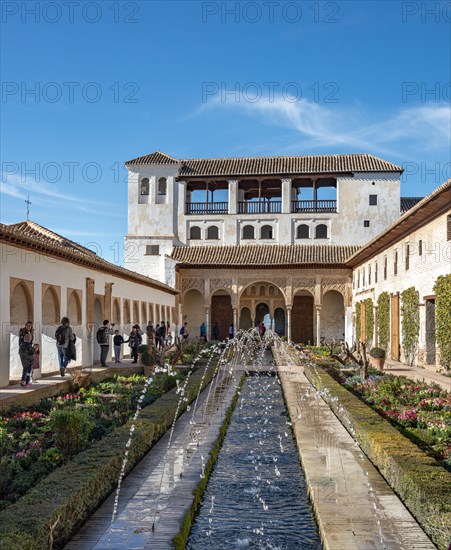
x: 213, y: 232
x: 20, y: 305
x: 279, y: 321
x: 162, y: 186
x: 271, y: 291
x: 321, y: 231
x: 193, y: 311
x: 262, y: 290
x: 333, y: 316
x: 145, y: 186
x: 266, y: 232
x: 127, y: 318
x: 74, y: 308
x: 248, y: 232
x: 222, y: 312
x: 262, y: 314
x: 251, y: 289
x: 245, y: 318
x: 195, y: 233
x: 303, y: 231
x: 50, y: 307
x: 135, y: 312
x: 116, y: 312
x: 302, y: 317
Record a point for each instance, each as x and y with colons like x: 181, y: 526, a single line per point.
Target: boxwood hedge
x: 55, y: 508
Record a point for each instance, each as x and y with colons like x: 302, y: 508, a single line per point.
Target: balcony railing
x: 313, y: 206
x: 201, y: 208
x: 260, y: 207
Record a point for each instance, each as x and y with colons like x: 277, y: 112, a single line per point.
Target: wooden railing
x: 314, y: 206
x: 201, y: 208
x: 260, y: 207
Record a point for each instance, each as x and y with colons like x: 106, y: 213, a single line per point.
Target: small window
x: 321, y: 231
x: 375, y: 272
x: 395, y: 264
x: 385, y: 267
x: 145, y: 186
x: 358, y: 279
x: 303, y: 231
x: 366, y: 223
x: 248, y: 232
x: 373, y: 183
x: 448, y: 228
x: 162, y: 186
x: 407, y: 257
x: 152, y: 250
x: 363, y: 277
x: 420, y: 248
x: 369, y: 275
x: 373, y: 200
x: 266, y: 232
x: 213, y: 233
x: 194, y: 233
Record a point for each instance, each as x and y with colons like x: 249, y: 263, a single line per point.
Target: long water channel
x: 256, y: 497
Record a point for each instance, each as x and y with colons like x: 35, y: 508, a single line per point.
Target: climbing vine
x: 358, y: 326
x: 383, y: 319
x: 369, y: 320
x: 410, y: 311
x: 442, y: 289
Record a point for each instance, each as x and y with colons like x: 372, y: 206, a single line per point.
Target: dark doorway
x: 302, y: 319
x: 222, y: 313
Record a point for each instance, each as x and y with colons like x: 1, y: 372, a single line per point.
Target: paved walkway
x: 163, y: 481
x: 354, y: 505
x: 415, y: 373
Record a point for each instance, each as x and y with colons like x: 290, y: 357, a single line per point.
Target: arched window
x: 213, y: 232
x: 162, y: 185
x: 321, y: 231
x: 145, y: 186
x: 248, y: 232
x: 74, y: 308
x: 266, y: 232
x: 303, y: 231
x: 21, y: 306
x: 194, y: 233
x: 50, y: 307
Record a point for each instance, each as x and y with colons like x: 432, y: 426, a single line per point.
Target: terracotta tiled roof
x: 249, y: 166
x: 409, y: 202
x: 154, y: 158
x: 263, y: 255
x: 423, y: 212
x: 33, y: 237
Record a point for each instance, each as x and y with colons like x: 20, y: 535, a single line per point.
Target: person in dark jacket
x: 162, y: 333
x: 118, y: 340
x: 216, y: 331
x: 134, y: 341
x: 26, y: 352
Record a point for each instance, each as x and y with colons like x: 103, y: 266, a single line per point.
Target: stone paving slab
x: 416, y: 373
x: 354, y: 506
x: 141, y: 504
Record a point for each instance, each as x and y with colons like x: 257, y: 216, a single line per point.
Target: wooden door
x: 302, y: 319
x: 394, y: 331
x: 222, y: 313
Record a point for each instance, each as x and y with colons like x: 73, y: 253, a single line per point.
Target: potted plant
x: 377, y: 358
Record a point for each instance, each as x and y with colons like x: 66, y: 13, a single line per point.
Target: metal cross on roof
x: 28, y: 206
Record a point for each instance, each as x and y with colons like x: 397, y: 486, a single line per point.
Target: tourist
x: 26, y: 352
x: 203, y: 332
x: 168, y: 333
x: 134, y: 341
x: 216, y: 331
x: 103, y: 339
x: 63, y: 336
x: 184, y: 332
x: 162, y: 333
x: 150, y: 331
x: 157, y: 336
x: 118, y: 340
x: 36, y: 361
x: 231, y: 332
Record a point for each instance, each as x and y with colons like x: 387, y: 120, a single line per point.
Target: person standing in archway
x: 103, y: 339
x: 26, y: 352
x: 63, y: 336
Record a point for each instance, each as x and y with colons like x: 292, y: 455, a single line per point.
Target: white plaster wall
x: 422, y: 273
x: 22, y: 264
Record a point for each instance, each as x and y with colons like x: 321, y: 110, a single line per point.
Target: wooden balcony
x: 202, y: 208
x: 259, y: 207
x: 313, y: 206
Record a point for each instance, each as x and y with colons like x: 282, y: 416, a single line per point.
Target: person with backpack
x: 26, y: 352
x: 103, y: 339
x: 203, y: 332
x: 134, y: 341
x: 184, y: 332
x: 63, y: 336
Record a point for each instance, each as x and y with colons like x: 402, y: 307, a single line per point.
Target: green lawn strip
x: 57, y: 506
x: 420, y: 481
x: 181, y: 538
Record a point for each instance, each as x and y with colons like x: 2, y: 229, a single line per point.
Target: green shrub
x: 369, y: 321
x: 383, y: 319
x: 142, y: 348
x: 150, y: 356
x: 410, y: 311
x: 377, y: 353
x: 72, y: 429
x: 442, y: 289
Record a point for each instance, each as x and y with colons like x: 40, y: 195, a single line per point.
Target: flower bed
x: 36, y: 440
x: 420, y: 410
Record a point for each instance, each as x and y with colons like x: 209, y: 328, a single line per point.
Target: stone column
x: 289, y: 323
x: 233, y: 196
x: 235, y: 319
x: 318, y: 325
x: 207, y: 322
x: 286, y: 196
x: 107, y: 304
x: 89, y: 340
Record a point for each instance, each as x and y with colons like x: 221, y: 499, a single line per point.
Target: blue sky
x: 115, y: 80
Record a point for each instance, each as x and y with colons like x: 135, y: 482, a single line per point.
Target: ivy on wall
x: 410, y: 311
x: 383, y: 319
x: 369, y: 320
x: 442, y: 289
x: 358, y: 326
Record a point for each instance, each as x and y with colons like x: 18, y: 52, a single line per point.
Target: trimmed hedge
x: 55, y: 508
x: 420, y: 481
